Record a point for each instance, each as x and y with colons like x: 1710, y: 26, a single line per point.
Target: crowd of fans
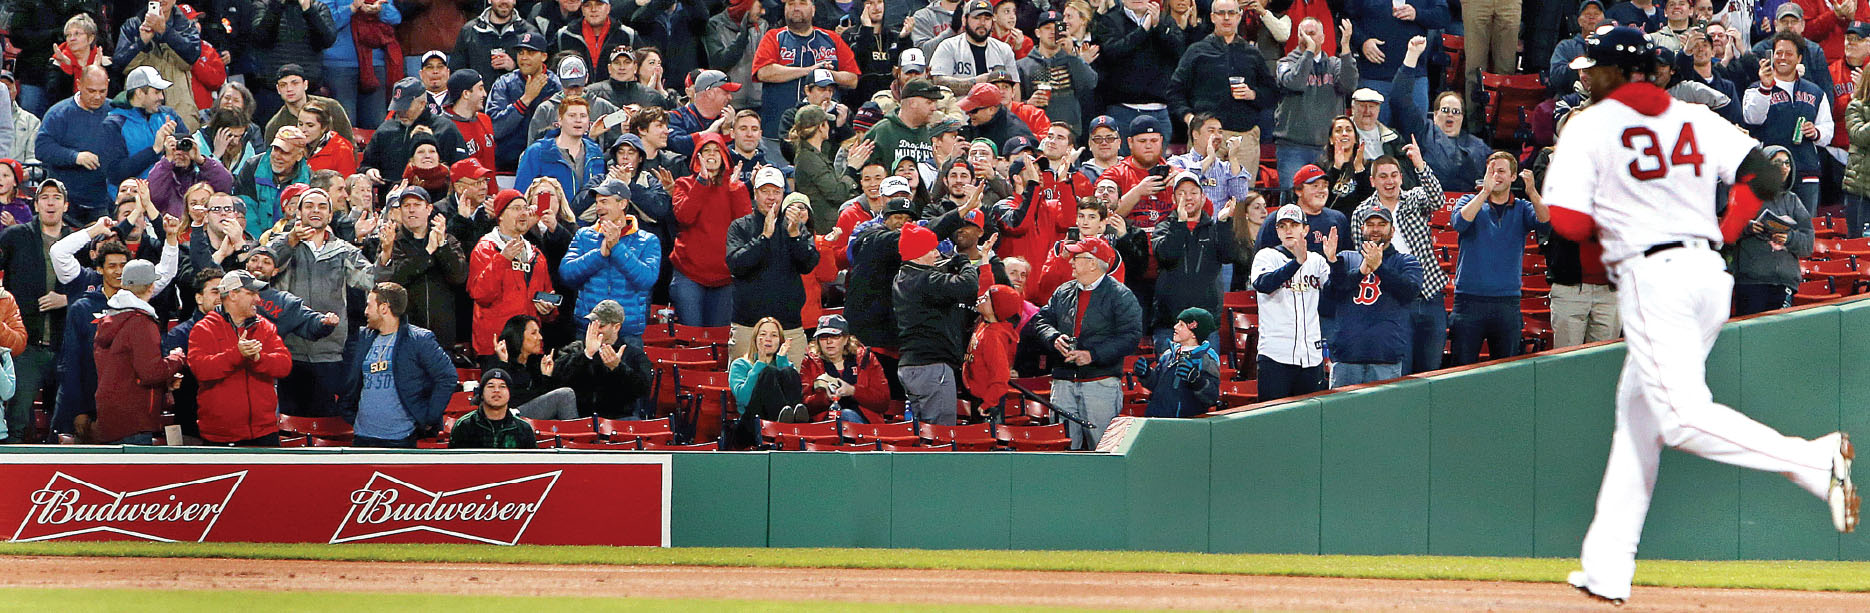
x: 248, y: 208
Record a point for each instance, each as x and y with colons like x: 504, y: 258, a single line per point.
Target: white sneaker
x: 1842, y: 495
x: 1578, y: 579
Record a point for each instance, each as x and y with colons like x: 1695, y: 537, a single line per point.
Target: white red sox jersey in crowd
x: 1289, y: 332
x: 1644, y: 169
x: 1645, y: 180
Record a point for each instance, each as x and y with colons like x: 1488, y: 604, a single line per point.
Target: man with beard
x: 905, y: 132
x: 786, y: 58
x: 398, y: 378
x: 319, y: 267
x: 484, y: 41
x: 1106, y: 149
x: 962, y: 61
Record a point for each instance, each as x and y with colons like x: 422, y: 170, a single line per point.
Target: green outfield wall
x: 1496, y: 460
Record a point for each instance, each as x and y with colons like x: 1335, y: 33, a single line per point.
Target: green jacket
x: 896, y: 141
x: 815, y: 175
x: 1857, y: 166
x: 475, y: 431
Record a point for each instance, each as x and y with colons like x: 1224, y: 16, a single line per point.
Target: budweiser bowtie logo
x: 68, y: 506
x: 496, y: 513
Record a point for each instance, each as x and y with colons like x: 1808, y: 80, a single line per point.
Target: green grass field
x: 136, y: 601
x: 1794, y: 575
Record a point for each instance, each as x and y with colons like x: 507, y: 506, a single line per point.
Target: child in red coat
x: 990, y: 353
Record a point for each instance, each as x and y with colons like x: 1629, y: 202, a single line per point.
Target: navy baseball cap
x: 1859, y: 30
x: 1145, y: 124
x: 1017, y: 144
x: 1103, y: 121
x: 530, y: 40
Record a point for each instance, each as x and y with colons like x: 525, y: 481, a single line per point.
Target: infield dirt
x: 1007, y: 588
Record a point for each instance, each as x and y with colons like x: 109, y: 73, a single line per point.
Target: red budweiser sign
x: 282, y: 497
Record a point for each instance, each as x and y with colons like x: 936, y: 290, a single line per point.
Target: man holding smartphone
x: 318, y: 267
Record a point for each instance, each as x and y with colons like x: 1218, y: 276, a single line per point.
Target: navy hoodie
x: 1373, y: 311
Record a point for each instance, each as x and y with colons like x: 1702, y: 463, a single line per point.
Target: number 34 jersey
x: 1645, y: 179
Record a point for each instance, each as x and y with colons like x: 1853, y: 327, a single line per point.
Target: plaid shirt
x: 1413, y: 209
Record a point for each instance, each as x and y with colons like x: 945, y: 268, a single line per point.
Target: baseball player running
x: 1639, y: 172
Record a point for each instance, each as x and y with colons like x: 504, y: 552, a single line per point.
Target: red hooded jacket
x: 133, y: 375
x: 237, y: 398
x: 703, y: 210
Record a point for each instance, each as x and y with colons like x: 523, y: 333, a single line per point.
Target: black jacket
x: 678, y: 36
x: 22, y: 257
x: 876, y: 50
x: 935, y: 309
x: 767, y: 270
x: 475, y: 431
x: 1200, y: 83
x: 284, y: 34
x: 1129, y: 55
x: 571, y: 38
x: 391, y: 146
x: 1003, y: 127
x: 868, y: 299
x: 1188, y: 266
x: 480, y: 36
x: 604, y: 391
x: 431, y: 278
x: 1112, y: 324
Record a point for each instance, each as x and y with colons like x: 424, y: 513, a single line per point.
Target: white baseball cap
x: 895, y: 186
x: 769, y: 175
x: 912, y: 61
x: 145, y: 76
x: 1365, y: 94
x: 1290, y: 212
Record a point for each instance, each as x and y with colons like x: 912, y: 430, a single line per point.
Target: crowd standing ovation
x: 889, y: 209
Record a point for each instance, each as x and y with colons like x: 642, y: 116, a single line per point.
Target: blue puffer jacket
x: 544, y: 159
x: 626, y: 275
x: 139, y: 136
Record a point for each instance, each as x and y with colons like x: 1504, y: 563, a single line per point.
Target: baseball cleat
x: 1842, y: 496
x: 1577, y: 580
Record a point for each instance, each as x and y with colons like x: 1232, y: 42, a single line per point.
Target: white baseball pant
x: 1673, y: 304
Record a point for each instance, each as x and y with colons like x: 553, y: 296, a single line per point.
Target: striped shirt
x: 1413, y: 209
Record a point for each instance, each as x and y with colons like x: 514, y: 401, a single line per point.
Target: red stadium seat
x: 1033, y: 438
x: 297, y: 440
x: 1535, y: 285
x: 432, y: 443
x: 791, y: 436
x: 708, y: 446
x: 900, y: 433
x: 1508, y: 98
x: 459, y: 403
x: 631, y: 430
x: 326, y: 427
x: 467, y: 374
x: 1536, y: 307
x: 568, y: 429
x: 817, y: 446
x: 598, y: 445
x: 913, y: 448
x: 1814, y: 291
x: 977, y: 437
x: 1239, y: 393
x: 319, y: 441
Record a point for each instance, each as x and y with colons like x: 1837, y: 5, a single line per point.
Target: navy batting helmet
x: 1621, y: 46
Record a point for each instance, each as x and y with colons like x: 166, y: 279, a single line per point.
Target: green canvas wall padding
x: 1854, y: 404
x: 1779, y: 520
x: 1695, y: 510
x: 719, y: 499
x: 951, y: 500
x: 1375, y: 472
x: 1265, y: 482
x: 829, y: 499
x: 1480, y: 466
x: 1574, y: 410
x: 1068, y: 501
x: 1167, y: 469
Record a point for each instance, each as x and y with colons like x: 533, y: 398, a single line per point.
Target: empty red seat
x: 976, y: 437
x: 459, y: 403
x: 633, y: 430
x: 1033, y: 438
x: 598, y: 445
x: 792, y: 436
x: 942, y: 447
x: 708, y: 446
x: 568, y: 429
x: 817, y: 446
x: 900, y: 433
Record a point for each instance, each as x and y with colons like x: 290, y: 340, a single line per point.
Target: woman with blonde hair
x: 842, y: 379
x: 764, y: 383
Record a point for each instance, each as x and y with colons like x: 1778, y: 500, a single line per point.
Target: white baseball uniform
x: 1649, y: 180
